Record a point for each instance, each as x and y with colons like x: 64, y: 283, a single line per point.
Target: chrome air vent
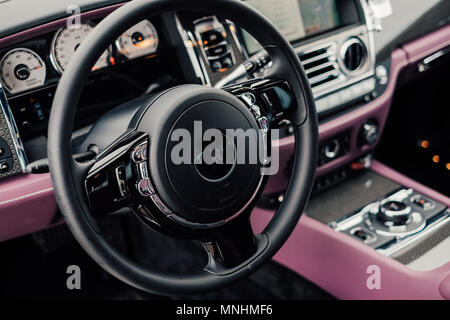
x: 354, y: 54
x: 320, y: 64
x: 340, y: 67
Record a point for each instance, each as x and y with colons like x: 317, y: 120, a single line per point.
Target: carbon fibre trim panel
x: 349, y: 196
x: 14, y: 157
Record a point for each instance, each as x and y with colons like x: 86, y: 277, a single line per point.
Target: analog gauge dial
x: 138, y: 41
x: 22, y: 69
x: 66, y: 41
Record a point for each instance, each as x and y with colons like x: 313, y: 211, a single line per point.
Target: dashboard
x: 138, y: 62
x: 333, y: 39
x: 23, y: 69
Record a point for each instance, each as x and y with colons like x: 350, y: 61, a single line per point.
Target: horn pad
x: 195, y: 190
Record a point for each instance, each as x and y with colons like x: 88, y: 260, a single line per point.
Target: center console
x: 396, y: 222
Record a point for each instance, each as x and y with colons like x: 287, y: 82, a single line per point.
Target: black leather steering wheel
x: 133, y: 168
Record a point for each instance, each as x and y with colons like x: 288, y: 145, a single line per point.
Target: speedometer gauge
x: 22, y: 69
x: 66, y: 41
x: 139, y: 40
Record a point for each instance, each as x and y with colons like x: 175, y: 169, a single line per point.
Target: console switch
x: 4, y: 167
x: 364, y: 235
x: 121, y: 180
x: 422, y: 202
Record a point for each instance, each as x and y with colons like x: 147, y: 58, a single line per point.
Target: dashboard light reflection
x: 436, y: 158
x: 425, y: 144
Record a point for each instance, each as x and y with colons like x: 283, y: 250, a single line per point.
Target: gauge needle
x: 35, y: 68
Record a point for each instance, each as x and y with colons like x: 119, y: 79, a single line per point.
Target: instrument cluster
x: 22, y: 69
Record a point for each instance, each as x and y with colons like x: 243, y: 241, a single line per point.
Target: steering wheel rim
x: 65, y: 171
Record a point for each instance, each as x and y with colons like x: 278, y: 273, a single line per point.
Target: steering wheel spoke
x: 231, y: 244
x: 117, y: 172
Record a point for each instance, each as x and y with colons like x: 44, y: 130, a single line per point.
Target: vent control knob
x: 368, y: 134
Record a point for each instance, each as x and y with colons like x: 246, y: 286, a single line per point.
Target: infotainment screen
x: 296, y: 19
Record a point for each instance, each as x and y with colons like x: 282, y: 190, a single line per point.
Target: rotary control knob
x: 368, y: 134
x: 4, y: 167
x: 394, y: 212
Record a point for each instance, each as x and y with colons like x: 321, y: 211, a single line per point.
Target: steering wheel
x: 134, y: 169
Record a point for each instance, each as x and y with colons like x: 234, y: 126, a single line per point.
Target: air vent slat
x: 320, y: 64
x: 331, y: 75
x: 316, y: 58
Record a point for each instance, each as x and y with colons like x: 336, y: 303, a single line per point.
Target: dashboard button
x: 368, y: 134
x: 216, y: 65
x: 4, y: 167
x: 143, y: 170
x: 227, y: 62
x: 212, y: 37
x: 422, y: 202
x: 121, y: 180
x: 216, y: 51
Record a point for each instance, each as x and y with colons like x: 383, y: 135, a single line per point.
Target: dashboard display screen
x: 296, y: 19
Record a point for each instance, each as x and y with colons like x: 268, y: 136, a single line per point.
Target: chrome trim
x: 418, y: 223
x: 347, y: 44
x: 13, y: 131
x: 373, y: 23
x: 26, y: 196
x: 189, y: 44
x: 120, y: 47
x: 335, y: 43
x: 213, y: 25
x: 52, y: 56
x: 232, y: 28
x: 322, y: 66
x: 34, y: 53
x: 368, y: 15
x: 425, y: 64
x: 332, y: 154
x: 436, y: 56
x: 392, y: 213
x: 402, y: 237
x: 394, y: 248
x: 53, y: 61
x: 335, y: 99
